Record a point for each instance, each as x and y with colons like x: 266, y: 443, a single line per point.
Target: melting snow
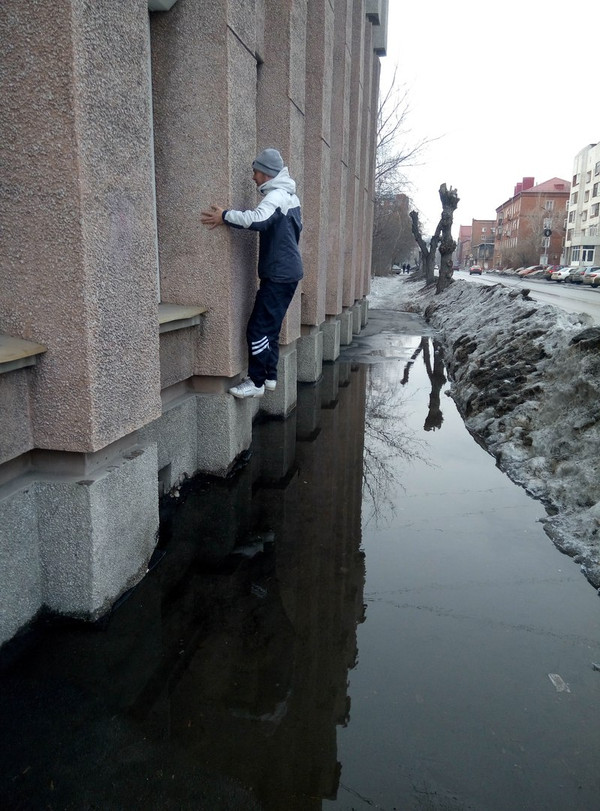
x: 526, y: 378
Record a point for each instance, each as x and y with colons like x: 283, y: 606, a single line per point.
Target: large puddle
x: 368, y: 615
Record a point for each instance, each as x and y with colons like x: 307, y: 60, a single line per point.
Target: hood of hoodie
x: 280, y: 181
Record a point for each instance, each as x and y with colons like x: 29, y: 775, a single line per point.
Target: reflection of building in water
x: 220, y: 682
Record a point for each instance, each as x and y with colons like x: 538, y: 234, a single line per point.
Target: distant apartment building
x: 463, y: 246
x: 583, y: 216
x: 482, y: 242
x: 530, y: 225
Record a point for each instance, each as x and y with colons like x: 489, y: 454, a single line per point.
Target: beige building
x: 121, y: 319
x: 582, y: 242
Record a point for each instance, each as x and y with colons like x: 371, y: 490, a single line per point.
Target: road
x: 569, y: 297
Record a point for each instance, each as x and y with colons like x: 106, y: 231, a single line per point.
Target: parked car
x: 475, y: 269
x: 550, y: 270
x: 530, y: 269
x: 560, y: 275
x: 575, y: 275
x: 592, y: 276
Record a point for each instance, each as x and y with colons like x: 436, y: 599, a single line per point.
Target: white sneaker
x: 247, y: 389
x: 270, y: 385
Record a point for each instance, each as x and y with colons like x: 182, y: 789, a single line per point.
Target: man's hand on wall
x: 212, y: 217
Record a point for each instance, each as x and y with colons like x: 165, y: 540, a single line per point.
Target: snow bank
x: 526, y: 378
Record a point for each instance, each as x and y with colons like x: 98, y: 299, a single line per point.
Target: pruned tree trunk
x: 427, y: 252
x: 449, y: 198
x: 441, y: 237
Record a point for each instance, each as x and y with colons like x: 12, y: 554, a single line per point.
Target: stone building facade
x: 122, y: 319
x: 582, y: 242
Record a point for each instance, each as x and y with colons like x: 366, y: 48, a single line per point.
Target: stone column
x: 78, y: 275
x: 364, y: 167
x: 204, y: 94
x: 280, y: 122
x: 354, y: 154
x: 338, y: 176
x: 79, y: 263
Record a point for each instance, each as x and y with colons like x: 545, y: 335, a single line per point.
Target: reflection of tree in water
x: 437, y: 378
x: 390, y: 445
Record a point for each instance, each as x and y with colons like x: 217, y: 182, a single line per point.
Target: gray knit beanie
x: 269, y: 161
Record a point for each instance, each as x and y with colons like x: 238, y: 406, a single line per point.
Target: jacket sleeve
x: 257, y: 219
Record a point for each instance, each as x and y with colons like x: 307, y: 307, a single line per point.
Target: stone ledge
x: 179, y: 316
x: 15, y: 353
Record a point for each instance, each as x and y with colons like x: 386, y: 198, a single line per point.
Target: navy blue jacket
x: 278, y: 220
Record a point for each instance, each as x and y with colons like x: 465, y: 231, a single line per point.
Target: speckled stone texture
x: 204, y: 82
x: 21, y: 571
x: 356, y: 318
x: 346, y: 327
x: 97, y: 534
x: 15, y: 431
x: 310, y: 355
x: 319, y: 75
x: 79, y: 254
x: 176, y: 436
x: 338, y: 175
x: 224, y: 430
x: 282, y: 401
x: 331, y: 339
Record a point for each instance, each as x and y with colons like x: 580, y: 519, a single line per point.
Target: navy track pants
x: 264, y: 325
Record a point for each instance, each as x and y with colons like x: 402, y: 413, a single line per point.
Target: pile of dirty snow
x: 526, y: 378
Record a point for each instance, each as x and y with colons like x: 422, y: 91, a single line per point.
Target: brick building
x: 524, y: 220
x: 482, y: 242
x: 463, y: 246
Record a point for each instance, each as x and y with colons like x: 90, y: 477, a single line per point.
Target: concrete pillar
x: 364, y: 312
x: 331, y: 338
x: 224, y: 430
x: 98, y: 533
x: 21, y: 570
x: 310, y: 354
x: 282, y: 401
x: 346, y: 327
x: 356, y: 318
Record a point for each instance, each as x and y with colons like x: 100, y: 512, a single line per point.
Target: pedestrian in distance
x: 278, y: 220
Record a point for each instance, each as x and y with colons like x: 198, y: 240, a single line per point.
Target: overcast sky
x: 509, y: 89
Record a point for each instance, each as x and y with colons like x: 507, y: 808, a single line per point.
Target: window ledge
x: 15, y: 353
x: 178, y: 316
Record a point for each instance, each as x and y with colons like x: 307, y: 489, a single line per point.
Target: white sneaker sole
x: 241, y: 395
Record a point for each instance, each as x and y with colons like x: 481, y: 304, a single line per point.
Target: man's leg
x: 262, y: 332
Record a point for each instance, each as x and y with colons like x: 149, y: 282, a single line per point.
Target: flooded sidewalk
x: 366, y: 615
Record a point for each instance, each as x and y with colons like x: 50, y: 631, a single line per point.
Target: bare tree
x: 442, y: 238
x: 447, y: 246
x: 396, y: 151
x: 392, y: 238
